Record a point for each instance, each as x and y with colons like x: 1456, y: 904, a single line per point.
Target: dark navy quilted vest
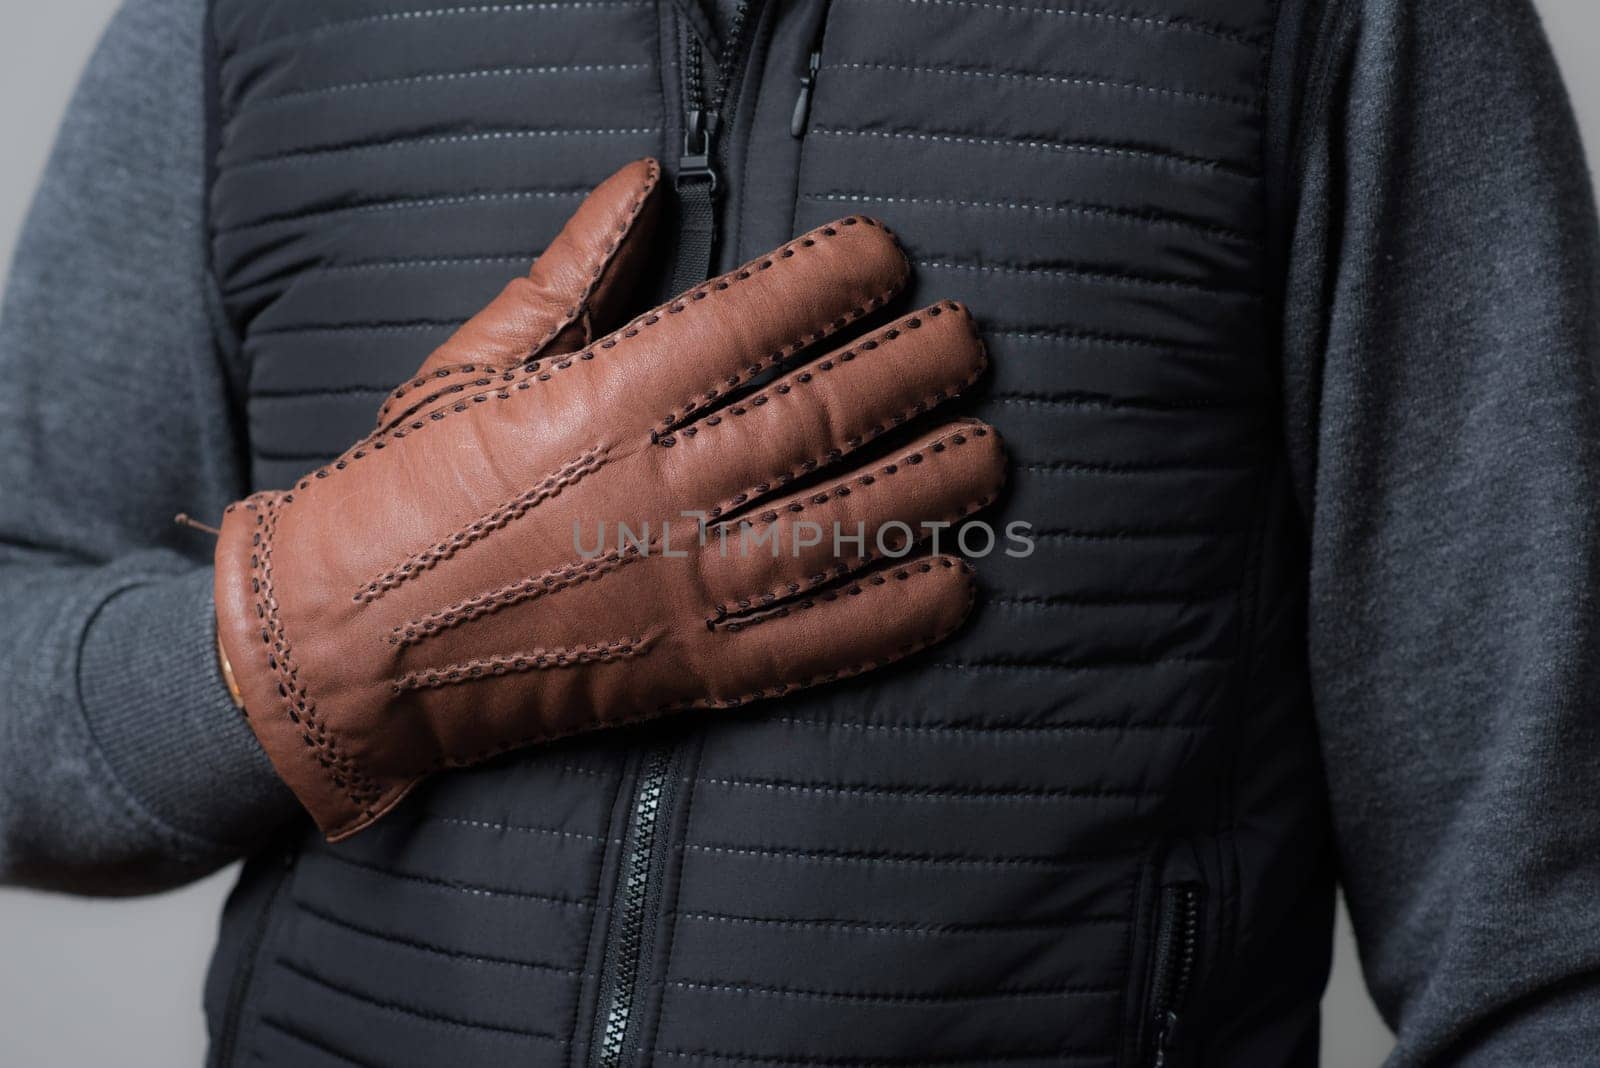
x: 1088, y: 831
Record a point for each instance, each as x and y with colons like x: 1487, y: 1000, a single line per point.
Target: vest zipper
x: 1176, y: 953
x: 699, y: 185
x: 631, y: 907
x: 699, y: 181
x: 239, y: 989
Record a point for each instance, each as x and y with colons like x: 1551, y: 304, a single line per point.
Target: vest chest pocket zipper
x: 1174, y: 962
x: 800, y: 118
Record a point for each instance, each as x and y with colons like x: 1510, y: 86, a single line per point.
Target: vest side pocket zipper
x: 1177, y: 952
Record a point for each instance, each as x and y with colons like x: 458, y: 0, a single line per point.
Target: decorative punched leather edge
x: 512, y: 663
x: 362, y: 791
x: 694, y: 404
x: 569, y: 474
x: 721, y: 613
x: 908, y: 572
x: 805, y: 377
x: 552, y: 581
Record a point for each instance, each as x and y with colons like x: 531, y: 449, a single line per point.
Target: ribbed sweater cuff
x: 159, y: 712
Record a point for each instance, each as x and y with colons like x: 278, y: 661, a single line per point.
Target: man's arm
x: 123, y: 764
x: 1443, y: 375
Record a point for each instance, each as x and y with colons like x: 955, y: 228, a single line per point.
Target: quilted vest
x: 1089, y: 830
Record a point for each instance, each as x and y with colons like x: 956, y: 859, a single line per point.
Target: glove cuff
x: 340, y: 795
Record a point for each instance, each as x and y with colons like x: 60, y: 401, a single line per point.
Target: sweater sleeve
x: 1443, y: 400
x: 123, y: 764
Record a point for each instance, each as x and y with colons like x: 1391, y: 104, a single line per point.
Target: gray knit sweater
x: 1442, y: 415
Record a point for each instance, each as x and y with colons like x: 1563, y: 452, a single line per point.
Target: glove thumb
x: 578, y: 290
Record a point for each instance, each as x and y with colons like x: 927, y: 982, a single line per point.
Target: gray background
x: 96, y: 982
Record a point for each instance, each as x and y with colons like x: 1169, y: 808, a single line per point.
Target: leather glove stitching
x: 568, y: 474
x: 552, y: 581
x: 905, y: 650
x: 723, y: 613
x: 853, y: 443
x: 880, y: 579
x: 346, y: 777
x: 532, y: 660
x: 533, y: 371
x: 696, y: 403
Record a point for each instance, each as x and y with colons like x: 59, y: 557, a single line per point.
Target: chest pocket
x: 1089, y: 183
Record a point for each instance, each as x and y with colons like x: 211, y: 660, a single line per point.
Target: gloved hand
x: 422, y: 602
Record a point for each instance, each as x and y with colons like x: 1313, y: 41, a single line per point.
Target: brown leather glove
x: 422, y: 602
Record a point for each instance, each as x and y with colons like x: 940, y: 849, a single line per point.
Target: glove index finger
x: 683, y: 356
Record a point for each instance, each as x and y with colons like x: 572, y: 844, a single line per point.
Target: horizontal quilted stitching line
x: 306, y: 1039
x: 289, y: 393
x: 404, y: 143
x: 426, y: 14
x: 451, y: 886
x: 1175, y: 598
x: 376, y: 207
x: 430, y: 949
x: 1022, y: 732
x: 1152, y: 467
x: 380, y: 326
x: 514, y: 828
x: 1088, y: 210
x: 594, y: 773
x: 492, y: 667
x: 396, y: 1008
x: 943, y: 997
x: 1076, y: 81
x: 1005, y: 664
x: 1058, y: 335
x: 909, y: 929
x: 927, y: 793
x: 291, y: 456
x: 443, y: 78
x: 1089, y: 274
x: 1105, y: 402
x: 955, y: 863
x: 1114, y: 536
x: 433, y: 261
x: 272, y: 456
x: 1151, y: 22
x: 521, y: 260
x: 1139, y: 153
x: 1052, y: 1057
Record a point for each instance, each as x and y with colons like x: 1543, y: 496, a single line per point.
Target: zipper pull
x: 697, y: 185
x: 695, y: 166
x: 802, y: 103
